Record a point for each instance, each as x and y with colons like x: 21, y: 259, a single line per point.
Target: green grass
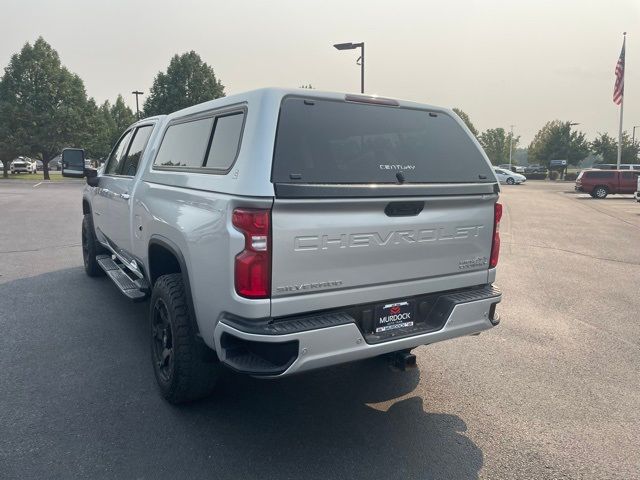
x: 37, y: 177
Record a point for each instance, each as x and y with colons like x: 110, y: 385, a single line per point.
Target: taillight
x: 495, y: 244
x: 253, y: 264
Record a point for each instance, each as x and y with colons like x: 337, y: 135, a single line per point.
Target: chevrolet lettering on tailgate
x: 376, y: 239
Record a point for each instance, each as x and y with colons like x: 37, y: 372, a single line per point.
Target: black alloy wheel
x: 163, y: 355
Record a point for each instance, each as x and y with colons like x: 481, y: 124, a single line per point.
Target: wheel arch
x: 165, y: 257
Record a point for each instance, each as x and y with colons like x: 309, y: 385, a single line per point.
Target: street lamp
x: 136, y: 93
x: 360, y: 61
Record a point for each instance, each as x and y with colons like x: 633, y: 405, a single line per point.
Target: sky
x: 517, y: 62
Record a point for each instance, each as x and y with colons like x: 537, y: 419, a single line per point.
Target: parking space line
x: 37, y: 184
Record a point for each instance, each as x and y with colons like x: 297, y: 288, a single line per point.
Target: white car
x: 23, y: 165
x: 510, y: 178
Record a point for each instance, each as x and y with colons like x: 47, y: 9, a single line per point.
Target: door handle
x: 125, y: 196
x: 403, y: 209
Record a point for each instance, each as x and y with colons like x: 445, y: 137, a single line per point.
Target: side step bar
x: 136, y: 290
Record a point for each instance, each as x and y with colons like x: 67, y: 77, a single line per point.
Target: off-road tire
x: 600, y: 192
x: 190, y: 370
x: 90, y: 248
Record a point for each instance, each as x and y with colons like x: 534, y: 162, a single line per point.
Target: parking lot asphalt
x: 552, y: 392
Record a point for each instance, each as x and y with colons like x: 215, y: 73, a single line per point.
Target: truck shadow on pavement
x: 102, y: 409
x: 323, y: 425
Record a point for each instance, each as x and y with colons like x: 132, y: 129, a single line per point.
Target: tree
x: 607, y: 147
x: 496, y: 143
x: 122, y: 116
x: 42, y: 104
x: 188, y: 81
x: 465, y: 118
x: 8, y: 142
x: 104, y: 126
x: 630, y: 149
x: 100, y: 130
x: 556, y: 141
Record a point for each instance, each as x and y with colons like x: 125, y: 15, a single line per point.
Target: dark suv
x: 600, y: 183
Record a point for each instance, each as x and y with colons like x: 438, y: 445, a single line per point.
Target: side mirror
x: 72, y: 162
x: 92, y: 177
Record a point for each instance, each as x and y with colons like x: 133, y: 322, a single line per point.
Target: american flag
x: 618, y: 88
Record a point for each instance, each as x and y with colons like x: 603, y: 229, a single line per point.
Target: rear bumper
x: 307, y: 343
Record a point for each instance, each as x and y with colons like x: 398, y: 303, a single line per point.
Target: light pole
x: 360, y: 61
x: 136, y: 93
x: 510, y: 145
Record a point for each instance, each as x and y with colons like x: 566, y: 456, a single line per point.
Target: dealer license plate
x: 392, y: 316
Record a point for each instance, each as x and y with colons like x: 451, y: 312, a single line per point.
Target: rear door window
x: 336, y: 142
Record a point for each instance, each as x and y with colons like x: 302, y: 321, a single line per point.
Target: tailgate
x: 321, y: 245
x: 375, y: 200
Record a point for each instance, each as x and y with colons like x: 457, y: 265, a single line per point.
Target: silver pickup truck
x: 280, y: 231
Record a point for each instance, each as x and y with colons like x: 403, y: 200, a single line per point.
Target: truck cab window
x: 140, y: 138
x: 117, y: 155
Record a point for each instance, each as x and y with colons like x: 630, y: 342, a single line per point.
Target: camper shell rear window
x: 321, y: 141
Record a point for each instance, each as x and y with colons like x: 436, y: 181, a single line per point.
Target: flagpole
x: 620, y: 133
x: 624, y: 42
